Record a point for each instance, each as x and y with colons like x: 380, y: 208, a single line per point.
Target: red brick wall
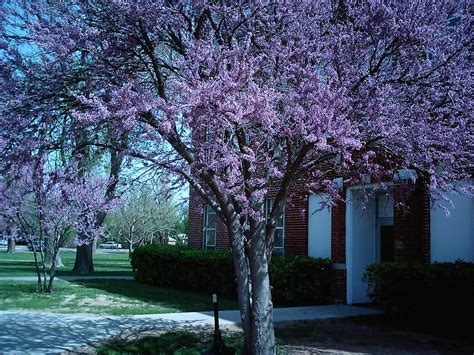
x: 196, y: 220
x: 339, y: 286
x: 338, y: 233
x: 411, y: 224
x: 338, y: 252
x: 196, y: 224
x: 222, y: 237
x: 296, y: 222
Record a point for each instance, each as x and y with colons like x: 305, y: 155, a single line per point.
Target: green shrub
x: 300, y: 280
x: 295, y: 280
x: 437, y: 296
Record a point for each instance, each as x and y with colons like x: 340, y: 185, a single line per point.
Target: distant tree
x: 48, y: 207
x: 182, y: 222
x: 142, y: 219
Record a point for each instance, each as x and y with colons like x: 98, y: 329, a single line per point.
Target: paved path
x: 49, y: 333
x: 66, y: 278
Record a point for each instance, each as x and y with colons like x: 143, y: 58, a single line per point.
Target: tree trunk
x: 263, y: 335
x: 254, y: 293
x: 11, y: 245
x: 48, y: 252
x: 48, y: 257
x: 59, y: 261
x: 94, y: 246
x: 84, y: 263
x: 241, y: 270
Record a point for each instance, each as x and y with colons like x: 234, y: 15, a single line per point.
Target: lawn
x: 22, y: 263
x: 105, y: 297
x: 368, y: 334
x: 93, y: 296
x: 177, y: 342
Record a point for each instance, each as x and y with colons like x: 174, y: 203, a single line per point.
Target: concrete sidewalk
x: 65, y: 278
x: 49, y: 333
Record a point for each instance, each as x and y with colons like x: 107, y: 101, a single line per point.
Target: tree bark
x: 130, y: 250
x: 48, y: 255
x: 94, y: 246
x: 241, y: 271
x: 262, y: 306
x: 254, y: 292
x: 11, y: 246
x: 84, y: 263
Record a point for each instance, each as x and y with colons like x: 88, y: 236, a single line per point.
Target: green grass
x: 22, y: 264
x: 94, y: 296
x: 365, y: 334
x: 193, y: 343
x: 179, y: 343
x: 190, y: 343
x: 101, y: 296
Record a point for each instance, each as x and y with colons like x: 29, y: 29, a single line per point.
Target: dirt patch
x: 68, y: 299
x: 362, y: 335
x: 334, y: 336
x: 103, y: 301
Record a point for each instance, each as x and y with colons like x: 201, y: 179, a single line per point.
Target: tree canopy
x: 236, y: 96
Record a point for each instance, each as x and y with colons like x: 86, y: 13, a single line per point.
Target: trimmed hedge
x: 295, y: 280
x: 435, y: 296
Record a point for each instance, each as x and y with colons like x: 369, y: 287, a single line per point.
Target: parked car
x: 110, y: 245
x: 38, y: 244
x: 3, y: 242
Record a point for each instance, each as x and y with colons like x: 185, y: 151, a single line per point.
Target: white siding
x: 452, y: 237
x: 360, y: 244
x: 319, y: 228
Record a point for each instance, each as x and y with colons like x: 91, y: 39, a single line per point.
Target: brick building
x: 354, y: 237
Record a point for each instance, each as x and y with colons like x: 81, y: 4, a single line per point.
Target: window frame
x: 280, y: 249
x: 206, y: 229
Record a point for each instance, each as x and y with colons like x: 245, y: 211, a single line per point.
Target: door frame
x: 385, y: 221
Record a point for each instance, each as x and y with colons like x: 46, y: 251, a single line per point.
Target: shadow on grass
x: 182, y: 342
x: 8, y: 268
x: 367, y: 334
x: 180, y: 301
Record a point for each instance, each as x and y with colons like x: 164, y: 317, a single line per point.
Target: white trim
x: 207, y: 211
x: 370, y: 237
x: 349, y: 245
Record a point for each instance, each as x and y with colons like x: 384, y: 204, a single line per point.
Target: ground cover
x: 21, y: 263
x: 103, y: 297
x: 368, y: 334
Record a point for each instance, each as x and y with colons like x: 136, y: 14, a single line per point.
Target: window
x: 279, y: 239
x: 209, y: 231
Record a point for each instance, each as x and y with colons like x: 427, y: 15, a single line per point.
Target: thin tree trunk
x: 38, y: 271
x: 52, y: 272
x: 11, y: 246
x: 52, y: 256
x: 130, y: 250
x: 58, y: 261
x: 84, y: 263
x: 241, y: 270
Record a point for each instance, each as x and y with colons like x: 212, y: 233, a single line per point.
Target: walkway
x: 49, y: 333
x: 66, y: 278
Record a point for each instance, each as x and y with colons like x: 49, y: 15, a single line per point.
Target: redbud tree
x: 49, y: 208
x: 236, y: 96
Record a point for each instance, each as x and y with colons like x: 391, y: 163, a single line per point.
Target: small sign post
x: 218, y: 346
